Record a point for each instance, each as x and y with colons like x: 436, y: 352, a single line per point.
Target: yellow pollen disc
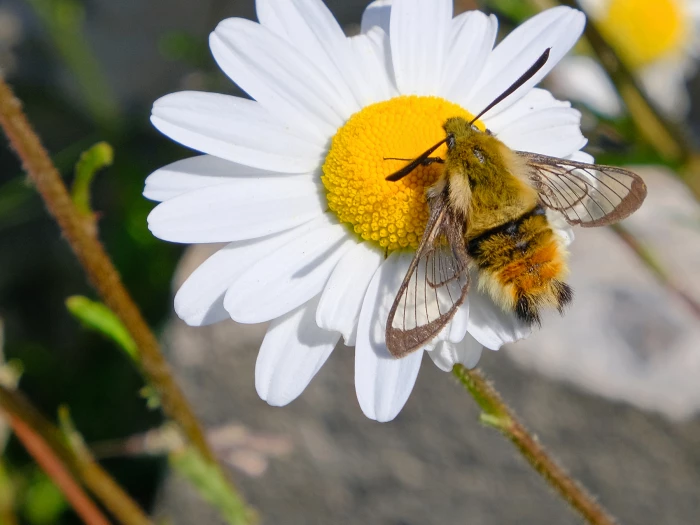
x: 391, y: 214
x: 643, y: 31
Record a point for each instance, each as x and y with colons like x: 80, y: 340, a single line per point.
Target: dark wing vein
x: 435, y: 284
x: 586, y: 194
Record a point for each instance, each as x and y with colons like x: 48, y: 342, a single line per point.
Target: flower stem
x: 48, y: 446
x: 99, y: 267
x: 498, y: 415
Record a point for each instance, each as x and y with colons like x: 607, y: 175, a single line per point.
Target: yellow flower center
x: 643, y: 31
x: 391, y: 214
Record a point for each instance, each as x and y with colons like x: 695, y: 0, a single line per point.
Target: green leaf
x: 91, y: 161
x: 96, y: 316
x: 43, y: 502
x: 211, y: 484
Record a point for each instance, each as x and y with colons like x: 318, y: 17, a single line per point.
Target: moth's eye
x: 479, y: 155
x: 475, y: 128
x: 450, y: 141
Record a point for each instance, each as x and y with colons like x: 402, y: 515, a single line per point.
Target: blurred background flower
x: 657, y: 40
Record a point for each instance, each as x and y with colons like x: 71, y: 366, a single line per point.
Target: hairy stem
x: 48, y: 442
x: 98, y: 267
x: 498, y: 415
x: 95, y: 261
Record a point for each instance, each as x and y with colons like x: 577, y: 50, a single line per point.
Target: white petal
x: 312, y: 29
x: 554, y: 131
x: 194, y: 173
x: 382, y: 382
x: 490, y: 325
x: 562, y: 228
x: 581, y: 156
x: 288, y: 277
x: 582, y: 78
x: 341, y: 301
x: 448, y: 354
x: 535, y: 101
x: 245, y: 209
x: 200, y: 299
x: 376, y: 14
x: 473, y: 35
x: 293, y: 351
x: 235, y: 129
x: 279, y: 77
x: 419, y: 34
x: 459, y: 325
x: 373, y: 54
x: 558, y: 28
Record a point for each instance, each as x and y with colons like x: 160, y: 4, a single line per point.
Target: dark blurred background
x: 89, y: 71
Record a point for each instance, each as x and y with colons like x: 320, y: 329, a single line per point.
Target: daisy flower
x: 294, y: 179
x: 657, y: 39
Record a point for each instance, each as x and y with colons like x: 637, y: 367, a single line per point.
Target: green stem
x: 496, y: 414
x: 99, y: 267
x: 47, y: 445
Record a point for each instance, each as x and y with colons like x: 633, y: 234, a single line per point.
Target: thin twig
x: 59, y: 474
x: 96, y: 263
x: 655, y: 267
x: 103, y: 274
x: 79, y: 463
x: 497, y: 414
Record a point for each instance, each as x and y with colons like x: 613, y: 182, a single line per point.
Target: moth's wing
x: 586, y: 194
x: 435, y: 284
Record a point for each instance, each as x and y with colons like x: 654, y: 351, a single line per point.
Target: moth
x: 488, y: 215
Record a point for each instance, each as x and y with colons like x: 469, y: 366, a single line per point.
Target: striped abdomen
x: 522, y: 264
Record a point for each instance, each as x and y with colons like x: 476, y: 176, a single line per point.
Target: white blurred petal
x: 244, y: 209
x: 235, y: 129
x: 448, y: 354
x: 554, y: 131
x: 558, y: 28
x: 472, y: 37
x: 200, y: 299
x: 490, y: 325
x: 289, y: 277
x: 373, y: 53
x: 313, y: 30
x: 341, y: 300
x: 194, y: 173
x: 376, y: 14
x: 293, y: 351
x: 419, y: 36
x: 382, y: 382
x: 279, y: 77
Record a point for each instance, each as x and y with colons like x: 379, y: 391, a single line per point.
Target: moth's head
x: 458, y: 128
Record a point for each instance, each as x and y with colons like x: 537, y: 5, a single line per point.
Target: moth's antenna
x: 524, y: 78
x: 414, y: 164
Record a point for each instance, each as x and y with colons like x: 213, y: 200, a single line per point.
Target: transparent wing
x: 435, y: 285
x: 586, y: 194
